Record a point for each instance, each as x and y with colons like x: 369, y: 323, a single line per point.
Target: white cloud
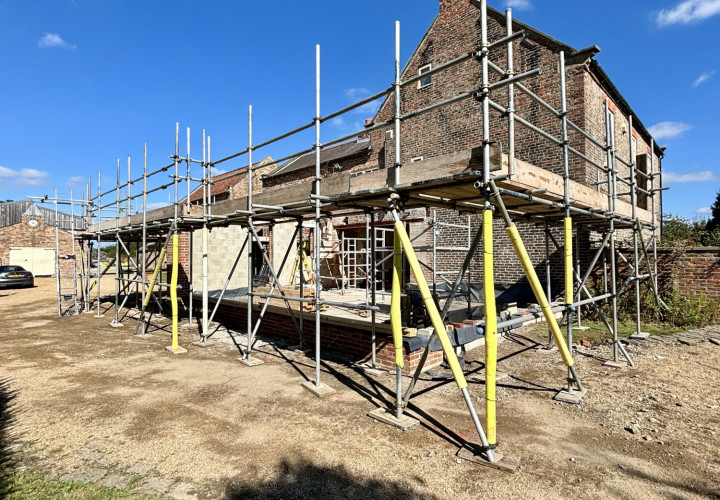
x: 702, y: 176
x: 214, y: 171
x: 668, y: 130
x: 154, y: 205
x: 703, y: 78
x: 24, y: 176
x: 703, y: 211
x: 357, y: 93
x: 49, y: 40
x: 688, y: 11
x: 76, y: 182
x: 519, y: 4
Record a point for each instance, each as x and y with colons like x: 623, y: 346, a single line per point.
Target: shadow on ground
x: 305, y: 480
x: 7, y: 462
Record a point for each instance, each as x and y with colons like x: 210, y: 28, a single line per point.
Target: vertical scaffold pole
x: 637, y: 227
x: 144, y: 242
x: 373, y: 296
x: 438, y: 324
x: 118, y: 258
x: 316, y: 234
x: 248, y: 351
x: 190, y: 236
x: 57, y: 256
x: 397, y: 94
x: 511, y: 95
x: 99, y: 220
x: 174, y: 347
x: 205, y: 236
x: 567, y: 223
x: 610, y: 146
x: 396, y: 321
x: 654, y: 191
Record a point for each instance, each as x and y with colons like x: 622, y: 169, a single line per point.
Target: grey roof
x: 332, y: 153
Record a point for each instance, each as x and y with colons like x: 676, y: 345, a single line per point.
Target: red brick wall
x: 22, y: 235
x: 692, y: 271
x: 342, y: 339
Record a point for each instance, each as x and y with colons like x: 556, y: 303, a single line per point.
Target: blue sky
x: 88, y: 81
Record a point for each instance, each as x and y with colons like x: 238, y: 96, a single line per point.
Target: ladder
x: 66, y: 269
x: 302, y: 256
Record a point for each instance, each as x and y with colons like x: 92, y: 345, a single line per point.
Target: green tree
x: 714, y: 222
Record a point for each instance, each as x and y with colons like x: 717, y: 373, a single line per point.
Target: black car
x: 15, y: 276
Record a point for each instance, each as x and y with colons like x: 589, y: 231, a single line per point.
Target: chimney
x: 451, y: 8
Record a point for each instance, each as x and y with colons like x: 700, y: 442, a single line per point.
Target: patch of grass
x: 35, y: 485
x: 597, y: 332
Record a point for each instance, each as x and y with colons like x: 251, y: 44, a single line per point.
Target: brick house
x: 445, y: 132
x: 31, y: 243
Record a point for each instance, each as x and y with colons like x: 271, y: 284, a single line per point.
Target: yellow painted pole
x: 435, y: 318
x: 156, y: 272
x: 92, y: 285
x: 539, y: 293
x: 395, y: 302
x: 173, y: 291
x: 490, y: 327
x: 568, y: 261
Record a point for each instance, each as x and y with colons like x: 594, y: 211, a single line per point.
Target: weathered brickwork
x: 352, y: 343
x: 40, y: 236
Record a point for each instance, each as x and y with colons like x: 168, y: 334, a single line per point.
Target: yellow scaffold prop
x: 402, y: 242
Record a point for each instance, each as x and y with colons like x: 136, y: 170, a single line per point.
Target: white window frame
x: 427, y: 81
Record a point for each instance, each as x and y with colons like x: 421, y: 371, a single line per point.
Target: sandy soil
x: 96, y: 403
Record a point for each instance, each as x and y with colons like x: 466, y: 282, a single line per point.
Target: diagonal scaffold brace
x: 401, y: 234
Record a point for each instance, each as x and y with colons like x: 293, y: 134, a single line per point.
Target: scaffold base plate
x: 581, y: 328
x: 200, y: 343
x: 502, y: 462
x: 640, y: 336
x: 385, y: 416
x: 368, y: 369
x: 98, y: 316
x: 141, y: 336
x: 178, y: 350
x: 575, y: 397
x: 117, y: 325
x: 251, y: 361
x: 615, y: 364
x: 545, y: 349
x: 320, y: 391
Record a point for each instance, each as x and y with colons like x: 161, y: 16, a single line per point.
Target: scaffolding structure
x: 492, y: 192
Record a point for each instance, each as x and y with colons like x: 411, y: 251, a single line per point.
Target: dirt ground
x: 96, y: 403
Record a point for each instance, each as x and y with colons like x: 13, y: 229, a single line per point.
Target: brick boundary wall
x: 691, y: 271
x: 336, y: 336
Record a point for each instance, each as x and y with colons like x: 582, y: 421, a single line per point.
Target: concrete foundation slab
x: 575, y: 397
x: 581, y: 328
x: 251, y: 361
x: 501, y: 461
x: 99, y: 316
x: 179, y: 350
x: 615, y: 364
x: 640, y: 336
x: 320, y: 391
x: 385, y: 416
